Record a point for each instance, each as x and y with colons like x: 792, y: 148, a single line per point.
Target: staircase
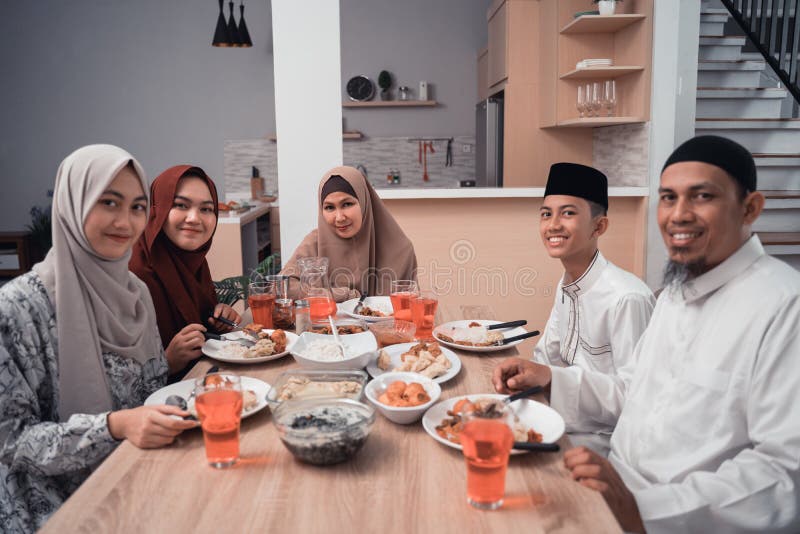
x: 738, y: 98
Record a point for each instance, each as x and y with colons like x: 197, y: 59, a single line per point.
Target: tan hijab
x: 100, y: 305
x: 371, y: 259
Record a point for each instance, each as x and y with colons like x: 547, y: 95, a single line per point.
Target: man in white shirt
x: 706, y: 438
x: 600, y: 310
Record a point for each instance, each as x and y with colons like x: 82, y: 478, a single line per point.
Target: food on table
x: 425, y: 358
x: 249, y: 398
x: 266, y: 345
x: 368, y: 311
x: 323, y: 350
x: 302, y: 388
x: 402, y: 395
x: 342, y: 330
x: 324, y: 434
x: 473, y: 335
x: 450, y: 428
x: 253, y: 329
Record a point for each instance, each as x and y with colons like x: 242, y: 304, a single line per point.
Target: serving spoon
x: 335, y: 332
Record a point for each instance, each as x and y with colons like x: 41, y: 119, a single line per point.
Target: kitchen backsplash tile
x: 377, y: 155
x: 622, y: 153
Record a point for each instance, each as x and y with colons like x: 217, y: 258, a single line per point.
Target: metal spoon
x: 183, y: 404
x: 336, y: 338
x: 522, y: 394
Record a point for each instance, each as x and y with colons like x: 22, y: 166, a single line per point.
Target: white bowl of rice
x: 319, y: 351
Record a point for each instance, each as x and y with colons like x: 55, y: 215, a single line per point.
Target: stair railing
x: 773, y: 26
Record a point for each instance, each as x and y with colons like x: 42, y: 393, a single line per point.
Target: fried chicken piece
x: 279, y: 338
x: 253, y: 329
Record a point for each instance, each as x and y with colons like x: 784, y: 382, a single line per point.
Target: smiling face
x: 701, y: 214
x: 191, y: 221
x: 118, y: 217
x: 568, y: 230
x: 343, y: 213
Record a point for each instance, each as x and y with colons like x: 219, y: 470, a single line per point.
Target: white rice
x: 233, y: 350
x: 322, y: 350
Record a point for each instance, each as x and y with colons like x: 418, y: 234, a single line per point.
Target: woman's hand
x: 149, y: 427
x: 185, y: 347
x: 226, y: 312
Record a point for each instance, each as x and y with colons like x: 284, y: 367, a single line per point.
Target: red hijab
x: 179, y: 280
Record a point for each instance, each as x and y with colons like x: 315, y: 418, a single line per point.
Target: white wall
x: 140, y: 74
x: 674, y: 87
x: 308, y: 110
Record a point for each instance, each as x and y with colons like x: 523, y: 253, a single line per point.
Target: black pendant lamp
x: 233, y: 31
x: 221, y: 33
x: 244, y: 35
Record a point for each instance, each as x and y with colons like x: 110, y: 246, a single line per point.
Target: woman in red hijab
x: 170, y: 258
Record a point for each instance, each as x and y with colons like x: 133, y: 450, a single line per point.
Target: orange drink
x: 486, y: 444
x: 261, y: 300
x: 320, y: 308
x: 402, y: 293
x: 219, y: 408
x: 423, y: 312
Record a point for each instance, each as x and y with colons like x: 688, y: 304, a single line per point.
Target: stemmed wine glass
x: 597, y: 98
x: 610, y: 96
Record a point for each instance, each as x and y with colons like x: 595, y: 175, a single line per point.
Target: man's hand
x: 515, y: 374
x: 595, y: 472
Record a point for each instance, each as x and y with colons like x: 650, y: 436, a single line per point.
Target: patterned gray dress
x: 42, y: 459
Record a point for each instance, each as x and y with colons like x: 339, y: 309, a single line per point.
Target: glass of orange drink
x: 261, y: 299
x: 402, y: 292
x: 486, y: 441
x: 423, y: 313
x: 218, y: 401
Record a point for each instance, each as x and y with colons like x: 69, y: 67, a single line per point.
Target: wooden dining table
x: 401, y: 481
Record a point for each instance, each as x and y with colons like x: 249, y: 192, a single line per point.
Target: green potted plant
x: 41, y: 233
x: 231, y: 290
x: 385, y: 83
x: 606, y: 7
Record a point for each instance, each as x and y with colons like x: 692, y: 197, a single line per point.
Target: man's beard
x: 680, y: 273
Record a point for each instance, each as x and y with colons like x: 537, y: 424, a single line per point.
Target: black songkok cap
x: 336, y: 184
x: 578, y: 180
x: 720, y: 152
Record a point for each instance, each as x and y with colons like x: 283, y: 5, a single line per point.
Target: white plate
x: 507, y: 332
x: 383, y: 304
x: 396, y: 350
x: 184, y: 389
x: 213, y: 348
x: 540, y: 417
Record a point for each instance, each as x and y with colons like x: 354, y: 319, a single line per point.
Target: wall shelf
x: 348, y: 136
x: 600, y: 73
x: 600, y: 23
x: 390, y: 104
x: 594, y: 122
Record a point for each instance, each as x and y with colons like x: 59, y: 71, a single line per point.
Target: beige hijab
x: 100, y: 305
x: 371, y: 259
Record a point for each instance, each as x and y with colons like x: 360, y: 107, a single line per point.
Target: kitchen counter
x: 258, y: 209
x: 492, y: 192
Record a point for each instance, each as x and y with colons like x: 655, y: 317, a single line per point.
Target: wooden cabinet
x: 15, y: 256
x: 483, y: 74
x: 243, y: 240
x: 498, y: 43
x: 625, y: 38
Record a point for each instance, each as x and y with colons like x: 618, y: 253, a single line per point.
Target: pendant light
x: 221, y: 33
x: 233, y: 31
x: 244, y: 35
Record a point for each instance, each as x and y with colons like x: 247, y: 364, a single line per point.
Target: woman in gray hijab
x: 79, y: 345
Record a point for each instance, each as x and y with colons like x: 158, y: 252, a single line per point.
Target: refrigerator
x: 489, y: 143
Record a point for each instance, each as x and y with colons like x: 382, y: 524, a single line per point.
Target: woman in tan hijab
x: 79, y: 345
x: 366, y: 247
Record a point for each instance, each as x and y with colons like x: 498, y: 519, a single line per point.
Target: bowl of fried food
x: 402, y: 397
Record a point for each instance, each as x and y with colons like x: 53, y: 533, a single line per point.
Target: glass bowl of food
x: 393, y: 331
x: 303, y: 384
x: 324, y: 431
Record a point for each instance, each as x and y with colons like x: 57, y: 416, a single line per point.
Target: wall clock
x: 360, y: 88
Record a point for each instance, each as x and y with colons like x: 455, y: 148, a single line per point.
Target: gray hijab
x: 100, y: 305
